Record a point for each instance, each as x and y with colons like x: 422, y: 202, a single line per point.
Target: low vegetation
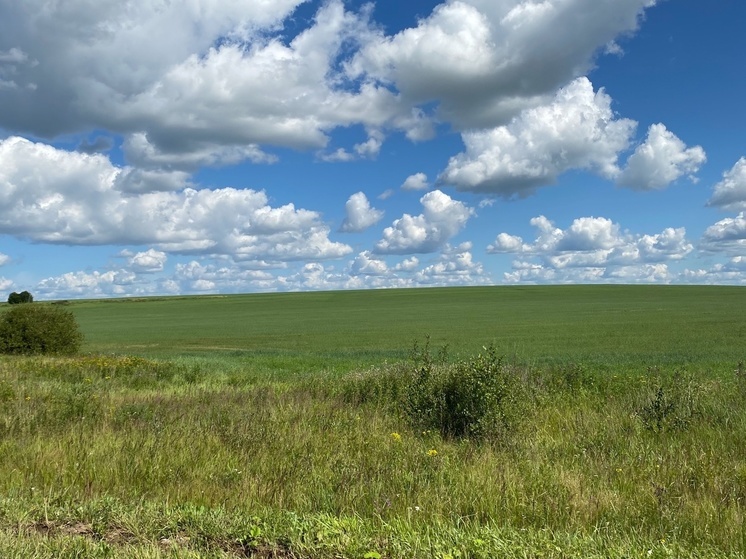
x: 437, y: 454
x: 132, y: 457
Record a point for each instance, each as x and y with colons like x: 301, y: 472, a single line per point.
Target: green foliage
x: 22, y: 297
x: 39, y: 329
x: 472, y: 398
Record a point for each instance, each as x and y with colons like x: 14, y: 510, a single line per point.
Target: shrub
x: 475, y: 398
x: 39, y: 329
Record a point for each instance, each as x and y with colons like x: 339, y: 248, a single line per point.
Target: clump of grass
x: 674, y: 406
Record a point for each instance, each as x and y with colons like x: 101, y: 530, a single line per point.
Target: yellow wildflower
x: 432, y: 452
x: 396, y: 437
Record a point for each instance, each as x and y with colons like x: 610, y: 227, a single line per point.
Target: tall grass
x: 134, y: 457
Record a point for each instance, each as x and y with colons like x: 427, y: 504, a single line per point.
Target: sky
x: 177, y: 147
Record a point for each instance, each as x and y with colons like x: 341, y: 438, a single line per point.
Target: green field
x: 296, y: 425
x: 600, y: 325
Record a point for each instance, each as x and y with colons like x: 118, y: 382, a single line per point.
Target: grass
x: 193, y: 453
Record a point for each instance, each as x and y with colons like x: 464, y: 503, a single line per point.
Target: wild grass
x: 120, y: 456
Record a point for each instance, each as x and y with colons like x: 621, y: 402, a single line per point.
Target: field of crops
x: 600, y: 325
x: 603, y: 421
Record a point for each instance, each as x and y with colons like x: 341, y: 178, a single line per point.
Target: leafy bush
x: 39, y: 329
x: 475, y: 398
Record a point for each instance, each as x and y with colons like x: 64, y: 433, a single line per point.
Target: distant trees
x: 39, y: 329
x: 22, y: 297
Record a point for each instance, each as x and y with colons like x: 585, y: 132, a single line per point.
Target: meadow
x: 309, y: 425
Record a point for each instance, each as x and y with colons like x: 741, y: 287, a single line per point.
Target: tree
x: 39, y: 329
x: 22, y: 297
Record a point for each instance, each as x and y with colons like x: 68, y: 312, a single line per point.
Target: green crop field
x: 625, y: 325
x: 558, y: 422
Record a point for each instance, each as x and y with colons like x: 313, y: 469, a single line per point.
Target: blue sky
x: 233, y: 146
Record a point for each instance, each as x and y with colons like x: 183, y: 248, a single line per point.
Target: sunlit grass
x: 108, y: 456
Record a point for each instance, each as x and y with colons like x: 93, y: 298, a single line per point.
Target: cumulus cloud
x: 4, y: 259
x: 239, y: 96
x: 360, y: 214
x: 578, y: 130
x: 730, y: 272
x: 114, y: 283
x: 408, y: 264
x: 727, y: 235
x: 591, y: 249
x: 484, y: 61
x: 455, y: 266
x: 225, y: 79
x: 730, y: 193
x: 418, y: 181
x: 76, y: 54
x: 442, y: 218
x: 150, y: 261
x: 662, y: 159
x: 368, y: 264
x: 54, y: 196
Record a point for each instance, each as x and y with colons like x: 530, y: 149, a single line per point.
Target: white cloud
x: 341, y: 155
x: 408, y: 264
x: 150, y: 261
x: 728, y: 235
x: 118, y: 283
x: 578, y: 130
x: 360, y: 214
x: 268, y: 93
x: 484, y: 60
x: 91, y: 58
x: 225, y: 278
x: 731, y: 272
x: 4, y: 259
x: 441, y: 219
x: 224, y: 81
x: 367, y: 264
x: 372, y: 146
x: 505, y: 243
x: 662, y: 159
x: 592, y: 249
x: 455, y: 266
x: 417, y: 181
x: 730, y: 193
x: 54, y: 196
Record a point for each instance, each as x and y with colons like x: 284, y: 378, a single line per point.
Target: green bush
x: 39, y: 329
x: 473, y: 399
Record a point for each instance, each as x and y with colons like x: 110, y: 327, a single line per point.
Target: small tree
x: 22, y: 297
x: 35, y: 329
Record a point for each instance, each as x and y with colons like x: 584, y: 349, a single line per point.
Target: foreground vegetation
x: 209, y: 456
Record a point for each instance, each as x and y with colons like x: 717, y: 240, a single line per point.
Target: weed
x: 673, y: 407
